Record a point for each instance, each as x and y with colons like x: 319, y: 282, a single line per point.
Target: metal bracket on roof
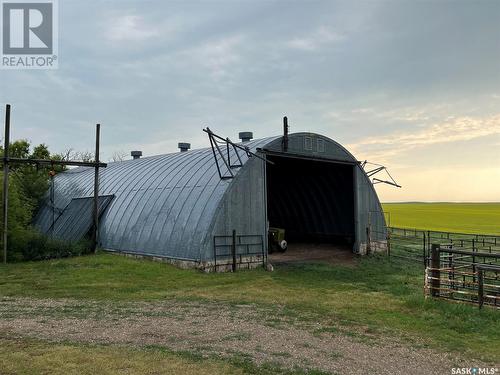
x: 221, y: 148
x: 377, y: 169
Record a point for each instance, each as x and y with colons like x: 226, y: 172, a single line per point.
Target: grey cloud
x: 155, y: 72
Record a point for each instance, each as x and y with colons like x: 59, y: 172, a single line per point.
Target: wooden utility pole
x: 5, y: 207
x: 95, y: 227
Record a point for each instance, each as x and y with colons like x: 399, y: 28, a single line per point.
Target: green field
x: 477, y: 218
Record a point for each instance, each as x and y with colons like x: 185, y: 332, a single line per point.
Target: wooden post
x: 284, y: 142
x: 52, y: 202
x: 428, y: 242
x: 426, y: 282
x: 388, y: 242
x: 368, y: 240
x: 215, y: 254
x: 480, y: 287
x: 5, y: 211
x: 473, y: 260
x: 424, y: 254
x: 435, y: 273
x: 233, y: 250
x: 95, y: 227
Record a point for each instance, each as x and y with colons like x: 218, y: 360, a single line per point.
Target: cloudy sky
x: 410, y: 84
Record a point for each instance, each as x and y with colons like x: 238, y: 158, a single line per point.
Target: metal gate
x: 239, y: 251
x: 463, y: 275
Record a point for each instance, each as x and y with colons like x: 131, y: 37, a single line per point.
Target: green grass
x: 30, y: 356
x: 37, y: 357
x: 478, y: 218
x: 376, y: 296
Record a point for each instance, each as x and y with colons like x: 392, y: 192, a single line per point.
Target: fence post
x: 264, y: 260
x: 95, y: 208
x: 480, y: 288
x: 5, y: 208
x: 215, y: 253
x: 428, y: 243
x: 426, y: 283
x: 435, y: 273
x: 389, y: 242
x: 233, y: 250
x: 473, y: 260
x: 424, y: 252
x: 368, y: 240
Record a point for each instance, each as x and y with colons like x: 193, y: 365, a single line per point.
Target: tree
x: 84, y: 156
x: 28, y: 186
x: 70, y: 154
x: 119, y: 156
x: 41, y: 152
x: 30, y: 182
x: 19, y: 149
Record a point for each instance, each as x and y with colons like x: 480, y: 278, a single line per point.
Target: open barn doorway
x: 313, y: 202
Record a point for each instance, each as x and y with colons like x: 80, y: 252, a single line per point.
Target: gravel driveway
x: 265, y: 336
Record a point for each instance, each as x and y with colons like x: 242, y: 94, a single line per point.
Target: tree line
x: 28, y: 187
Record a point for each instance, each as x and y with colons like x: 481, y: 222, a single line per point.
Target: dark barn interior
x: 312, y: 200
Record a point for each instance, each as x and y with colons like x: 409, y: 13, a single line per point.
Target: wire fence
x: 463, y: 276
x: 415, y: 245
x: 458, y: 266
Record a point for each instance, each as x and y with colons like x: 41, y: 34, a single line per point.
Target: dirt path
x: 300, y: 253
x: 220, y: 329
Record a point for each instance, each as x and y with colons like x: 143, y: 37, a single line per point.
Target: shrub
x: 29, y: 244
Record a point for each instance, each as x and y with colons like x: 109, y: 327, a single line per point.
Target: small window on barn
x: 321, y: 145
x: 308, y: 144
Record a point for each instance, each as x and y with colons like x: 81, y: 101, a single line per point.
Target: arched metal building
x: 177, y: 207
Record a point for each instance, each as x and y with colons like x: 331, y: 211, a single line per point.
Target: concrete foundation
x: 224, y: 265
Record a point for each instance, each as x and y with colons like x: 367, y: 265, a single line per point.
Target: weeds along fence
x: 458, y: 266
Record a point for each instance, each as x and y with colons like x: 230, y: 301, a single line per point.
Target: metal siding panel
x: 76, y: 220
x: 243, y: 205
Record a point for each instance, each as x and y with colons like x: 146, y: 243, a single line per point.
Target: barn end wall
x: 242, y: 208
x: 369, y: 215
x: 368, y: 210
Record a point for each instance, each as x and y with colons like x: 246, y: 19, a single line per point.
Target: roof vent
x: 184, y: 146
x: 136, y: 154
x: 245, y: 136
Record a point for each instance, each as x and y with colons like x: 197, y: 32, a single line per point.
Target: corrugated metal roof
x: 163, y: 204
x: 76, y: 219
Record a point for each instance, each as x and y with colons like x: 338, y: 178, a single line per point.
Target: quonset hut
x: 183, y: 207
